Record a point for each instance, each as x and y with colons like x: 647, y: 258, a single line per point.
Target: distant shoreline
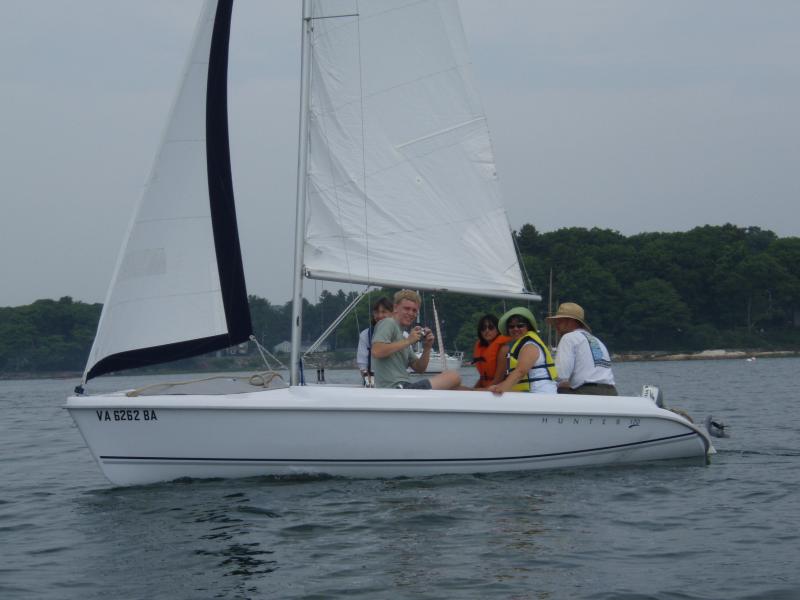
x: 704, y: 355
x: 621, y: 357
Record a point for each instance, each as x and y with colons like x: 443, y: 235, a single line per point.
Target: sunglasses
x: 488, y: 327
x: 518, y: 325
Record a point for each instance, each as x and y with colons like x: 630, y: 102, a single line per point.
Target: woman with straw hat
x: 530, y: 364
x: 583, y: 361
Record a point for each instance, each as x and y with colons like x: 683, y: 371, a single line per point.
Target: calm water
x: 670, y: 530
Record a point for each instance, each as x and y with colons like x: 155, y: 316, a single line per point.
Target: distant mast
x: 550, y: 309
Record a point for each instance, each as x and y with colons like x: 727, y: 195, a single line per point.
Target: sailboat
x: 391, y: 126
x: 450, y: 361
x: 439, y: 360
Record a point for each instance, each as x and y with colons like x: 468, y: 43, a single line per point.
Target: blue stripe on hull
x: 197, y: 460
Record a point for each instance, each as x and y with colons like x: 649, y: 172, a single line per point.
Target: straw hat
x: 570, y: 310
x: 520, y: 312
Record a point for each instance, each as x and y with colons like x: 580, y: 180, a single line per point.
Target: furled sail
x: 401, y: 188
x: 178, y: 289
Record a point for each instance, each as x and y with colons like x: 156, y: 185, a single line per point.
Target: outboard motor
x: 654, y: 393
x: 716, y: 428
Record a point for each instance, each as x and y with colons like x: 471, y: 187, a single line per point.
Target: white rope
x: 264, y: 379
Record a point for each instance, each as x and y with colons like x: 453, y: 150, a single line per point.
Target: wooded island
x: 710, y: 287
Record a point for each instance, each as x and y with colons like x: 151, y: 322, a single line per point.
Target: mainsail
x: 178, y: 289
x: 402, y: 188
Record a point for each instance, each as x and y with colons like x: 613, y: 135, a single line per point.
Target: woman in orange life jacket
x: 530, y: 364
x: 486, y: 356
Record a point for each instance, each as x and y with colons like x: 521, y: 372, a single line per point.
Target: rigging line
x: 265, y: 353
x: 318, y: 295
x: 521, y: 262
x: 332, y: 17
x: 368, y: 291
x: 363, y: 143
x: 313, y: 348
x: 374, y: 15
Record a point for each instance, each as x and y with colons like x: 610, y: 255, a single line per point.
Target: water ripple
x: 672, y: 530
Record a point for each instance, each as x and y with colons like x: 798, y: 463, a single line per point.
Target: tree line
x: 710, y: 287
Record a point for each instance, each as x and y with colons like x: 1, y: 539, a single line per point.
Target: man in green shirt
x: 392, y: 354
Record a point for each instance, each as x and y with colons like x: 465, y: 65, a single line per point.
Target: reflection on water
x: 237, y: 558
x: 191, y: 533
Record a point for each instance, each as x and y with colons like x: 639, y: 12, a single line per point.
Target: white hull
x: 360, y: 432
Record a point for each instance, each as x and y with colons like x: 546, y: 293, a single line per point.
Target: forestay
x: 402, y: 186
x: 178, y: 288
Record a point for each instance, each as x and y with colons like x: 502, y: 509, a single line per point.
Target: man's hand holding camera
x: 422, y: 334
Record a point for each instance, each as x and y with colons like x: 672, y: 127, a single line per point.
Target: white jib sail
x: 402, y: 187
x: 166, y: 285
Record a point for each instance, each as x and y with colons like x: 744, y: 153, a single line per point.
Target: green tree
x: 654, y: 316
x: 596, y: 290
x: 765, y: 282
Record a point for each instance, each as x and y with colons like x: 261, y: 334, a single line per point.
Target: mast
x: 300, y: 213
x: 550, y: 310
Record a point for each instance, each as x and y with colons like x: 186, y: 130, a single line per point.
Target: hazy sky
x: 622, y: 114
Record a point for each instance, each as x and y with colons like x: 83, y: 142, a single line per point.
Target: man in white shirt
x: 380, y: 310
x: 582, y: 360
